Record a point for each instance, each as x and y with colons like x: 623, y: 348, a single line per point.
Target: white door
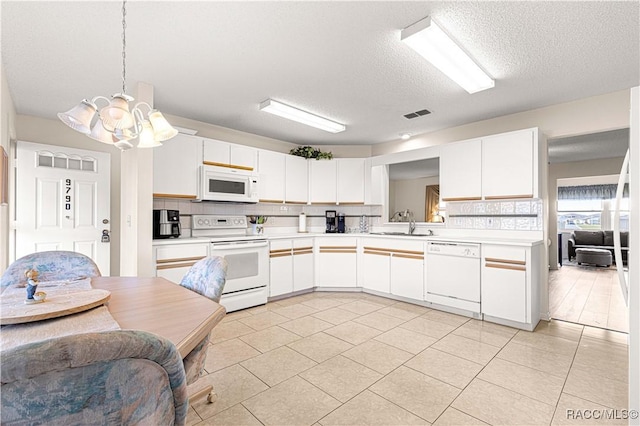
x: 63, y: 201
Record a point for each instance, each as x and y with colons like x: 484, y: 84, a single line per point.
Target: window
x: 591, y: 214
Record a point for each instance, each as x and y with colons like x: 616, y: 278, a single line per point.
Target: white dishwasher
x: 453, y: 275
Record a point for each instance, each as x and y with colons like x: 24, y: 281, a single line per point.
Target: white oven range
x: 247, y: 257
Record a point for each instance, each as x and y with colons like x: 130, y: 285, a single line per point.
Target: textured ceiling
x: 611, y: 144
x: 216, y: 61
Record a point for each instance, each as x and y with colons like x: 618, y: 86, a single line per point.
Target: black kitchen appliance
x: 166, y: 224
x: 341, y: 224
x: 330, y: 219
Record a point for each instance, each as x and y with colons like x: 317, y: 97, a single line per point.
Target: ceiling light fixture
x: 405, y: 136
x: 430, y: 41
x: 116, y: 124
x: 295, y: 114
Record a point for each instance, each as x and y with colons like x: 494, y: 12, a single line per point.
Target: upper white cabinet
x: 350, y: 180
x: 225, y: 154
x: 297, y: 179
x: 271, y: 166
x: 508, y: 165
x: 460, y: 171
x: 323, y: 175
x: 184, y: 154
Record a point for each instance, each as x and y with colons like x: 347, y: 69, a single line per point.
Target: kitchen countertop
x: 527, y: 242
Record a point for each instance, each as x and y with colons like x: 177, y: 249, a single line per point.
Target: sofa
x: 597, y: 240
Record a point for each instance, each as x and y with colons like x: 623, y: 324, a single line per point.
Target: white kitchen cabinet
x: 350, y: 180
x: 297, y: 179
x: 173, y: 261
x: 303, y: 261
x: 376, y: 265
x: 183, y: 153
x: 271, y: 167
x: 323, y: 175
x: 504, y: 285
x: 407, y: 269
x: 508, y: 165
x: 281, y: 268
x: 225, y: 154
x: 336, y: 261
x: 460, y: 171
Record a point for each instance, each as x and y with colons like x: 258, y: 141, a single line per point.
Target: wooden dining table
x: 162, y: 307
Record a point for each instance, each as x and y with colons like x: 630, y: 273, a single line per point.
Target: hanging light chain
x: 124, y: 47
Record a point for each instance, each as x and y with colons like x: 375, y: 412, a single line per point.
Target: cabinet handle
x: 302, y: 248
x: 276, y: 251
x: 271, y: 201
x: 510, y: 267
x: 180, y: 259
x: 184, y: 196
x: 407, y: 256
x: 378, y: 253
x: 507, y: 197
x: 509, y: 261
x: 295, y: 202
x: 229, y: 166
x: 462, y: 199
x: 285, y: 254
x: 176, y: 265
x: 351, y: 203
x: 303, y: 252
x: 334, y: 250
x: 337, y: 247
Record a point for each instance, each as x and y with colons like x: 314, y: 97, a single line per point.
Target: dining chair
x: 122, y: 377
x: 51, y: 266
x: 207, y: 278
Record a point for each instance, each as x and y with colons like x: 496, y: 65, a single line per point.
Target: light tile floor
x: 588, y: 295
x: 357, y: 359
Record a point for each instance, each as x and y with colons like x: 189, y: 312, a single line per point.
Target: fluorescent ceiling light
x: 430, y: 41
x: 295, y: 114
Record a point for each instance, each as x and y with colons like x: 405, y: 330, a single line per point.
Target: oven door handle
x: 238, y: 245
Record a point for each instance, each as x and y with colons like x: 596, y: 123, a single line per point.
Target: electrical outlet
x: 489, y: 221
x: 284, y: 208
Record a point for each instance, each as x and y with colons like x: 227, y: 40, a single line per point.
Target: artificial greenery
x: 258, y: 219
x: 311, y: 152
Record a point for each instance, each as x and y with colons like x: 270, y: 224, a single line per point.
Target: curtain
x: 590, y: 192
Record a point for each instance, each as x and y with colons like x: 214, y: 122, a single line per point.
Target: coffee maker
x: 330, y: 219
x: 341, y: 223
x: 166, y: 224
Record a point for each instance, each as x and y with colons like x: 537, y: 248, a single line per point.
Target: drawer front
x: 181, y: 253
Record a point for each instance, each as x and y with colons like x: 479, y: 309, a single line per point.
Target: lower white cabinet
x: 336, y: 262
x: 303, y: 264
x: 281, y: 268
x: 174, y: 261
x: 407, y: 270
x: 291, y: 267
x: 504, y: 282
x: 376, y: 265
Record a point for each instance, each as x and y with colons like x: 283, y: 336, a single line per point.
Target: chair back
x: 51, y: 266
x: 207, y: 277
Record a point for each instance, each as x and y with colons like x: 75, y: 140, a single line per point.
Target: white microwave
x: 231, y: 185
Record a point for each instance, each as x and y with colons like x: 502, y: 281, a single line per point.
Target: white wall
x: 573, y: 169
x: 8, y: 133
x: 410, y: 194
x: 584, y: 116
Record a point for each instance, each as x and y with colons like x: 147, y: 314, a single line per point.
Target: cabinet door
x: 182, y: 153
x: 507, y: 165
x: 323, y: 181
x: 336, y: 262
x: 243, y: 157
x: 460, y: 171
x: 174, y: 261
x: 271, y: 166
x: 216, y: 153
x: 375, y: 268
x: 350, y: 178
x: 504, y: 282
x: 302, y: 264
x: 407, y: 270
x: 281, y: 268
x: 297, y: 180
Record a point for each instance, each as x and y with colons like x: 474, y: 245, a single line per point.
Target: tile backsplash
x: 512, y: 215
x: 280, y: 215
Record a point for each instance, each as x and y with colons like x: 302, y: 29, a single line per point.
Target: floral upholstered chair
x: 121, y: 377
x: 51, y: 266
x: 207, y: 278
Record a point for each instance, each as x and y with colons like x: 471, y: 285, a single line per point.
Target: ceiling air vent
x: 417, y: 114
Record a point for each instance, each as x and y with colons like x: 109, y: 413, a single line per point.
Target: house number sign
x: 67, y: 194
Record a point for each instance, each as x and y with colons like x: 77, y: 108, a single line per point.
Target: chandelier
x: 117, y: 124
